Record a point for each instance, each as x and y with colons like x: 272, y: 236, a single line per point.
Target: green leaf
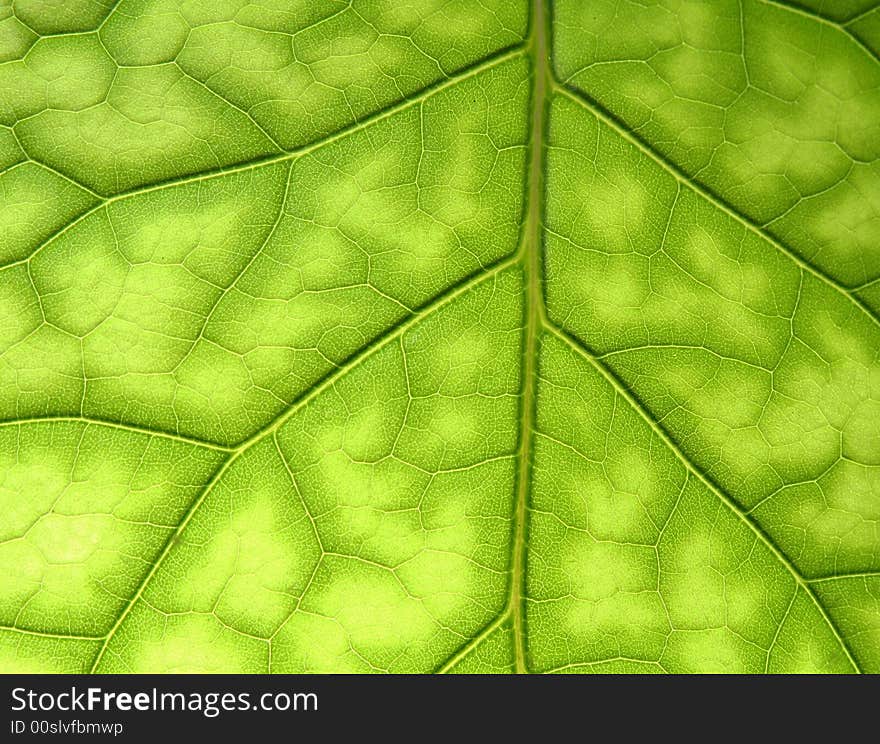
x: 451, y: 335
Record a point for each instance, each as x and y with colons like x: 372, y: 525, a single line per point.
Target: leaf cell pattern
x: 452, y: 335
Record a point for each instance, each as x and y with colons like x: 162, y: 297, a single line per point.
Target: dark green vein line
x: 41, y: 634
x: 390, y: 333
x: 259, y: 127
x: 166, y: 549
x: 144, y: 431
x: 814, y: 16
x: 472, y: 645
x: 231, y: 285
x: 842, y: 576
x: 30, y: 159
x: 254, y: 163
x: 606, y: 372
x: 867, y: 284
x: 597, y: 662
x: 110, y: 11
x: 390, y: 336
x: 610, y: 119
x: 860, y: 16
x: 779, y: 627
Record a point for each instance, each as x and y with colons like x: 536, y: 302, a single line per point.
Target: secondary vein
x: 575, y: 344
x: 581, y: 98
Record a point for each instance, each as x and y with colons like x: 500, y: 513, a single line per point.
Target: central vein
x: 531, y: 260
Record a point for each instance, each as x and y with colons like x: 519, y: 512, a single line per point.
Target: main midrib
x: 537, y: 321
x: 534, y: 316
x: 529, y: 258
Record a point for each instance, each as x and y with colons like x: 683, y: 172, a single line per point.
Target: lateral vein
x: 573, y: 343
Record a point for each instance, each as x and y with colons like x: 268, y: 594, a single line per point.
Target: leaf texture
x: 451, y: 335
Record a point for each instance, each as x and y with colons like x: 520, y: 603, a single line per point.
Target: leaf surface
x: 456, y: 335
